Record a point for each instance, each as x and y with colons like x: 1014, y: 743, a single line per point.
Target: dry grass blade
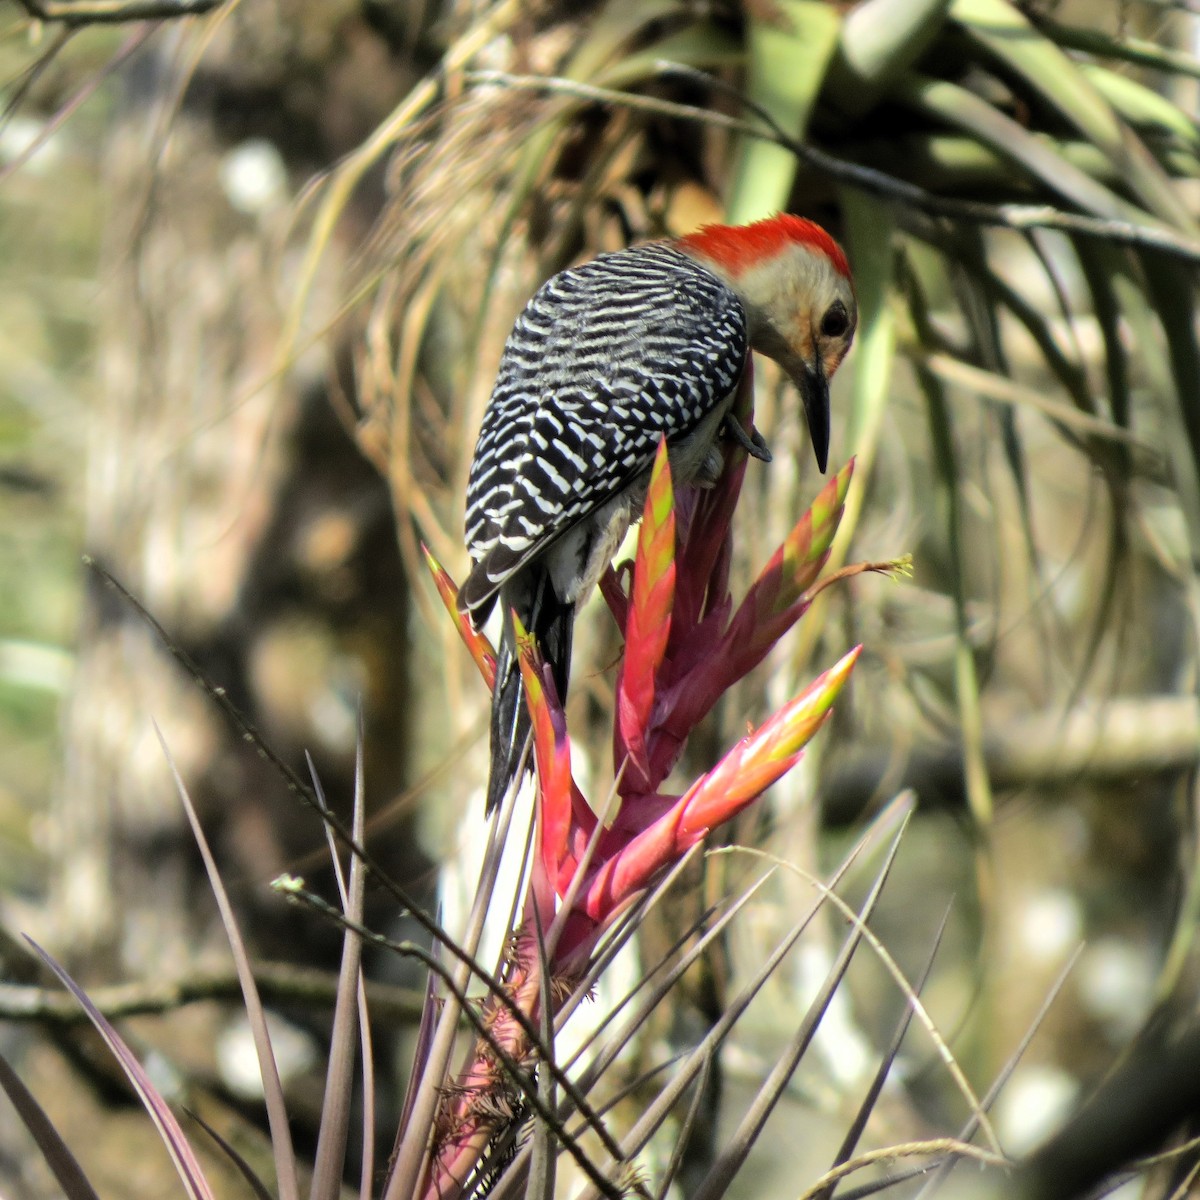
x: 277, y: 1117
x: 133, y: 43
x: 18, y: 87
x: 465, y: 1007
x: 886, y: 1062
x: 105, y: 12
x: 968, y: 1130
x: 231, y: 1152
x: 340, y: 185
x: 684, y: 1135
x: 336, y: 1105
x: 935, y: 1147
x: 62, y: 1163
x: 717, y: 1182
x: 1115, y: 231
x: 173, y: 1138
x: 1002, y: 390
x: 662, y: 1106
x: 906, y: 989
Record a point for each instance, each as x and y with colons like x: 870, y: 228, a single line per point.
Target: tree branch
x: 278, y: 982
x: 1123, y: 739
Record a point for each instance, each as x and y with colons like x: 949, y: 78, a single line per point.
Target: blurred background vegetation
x: 258, y: 264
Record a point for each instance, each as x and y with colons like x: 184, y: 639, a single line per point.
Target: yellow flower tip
x: 522, y: 633
x: 843, y: 478
x: 837, y: 675
x: 435, y: 567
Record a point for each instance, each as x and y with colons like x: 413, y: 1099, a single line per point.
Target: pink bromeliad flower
x: 685, y: 645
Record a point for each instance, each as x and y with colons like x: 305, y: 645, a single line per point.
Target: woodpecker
x: 605, y: 360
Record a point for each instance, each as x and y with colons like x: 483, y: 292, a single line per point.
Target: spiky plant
x: 590, y: 877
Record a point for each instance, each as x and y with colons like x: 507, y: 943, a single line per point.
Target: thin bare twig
x: 115, y: 12
x: 1019, y: 217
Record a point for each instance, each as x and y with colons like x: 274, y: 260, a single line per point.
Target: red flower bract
x: 683, y: 650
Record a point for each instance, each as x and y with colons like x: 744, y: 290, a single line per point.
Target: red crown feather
x: 737, y: 247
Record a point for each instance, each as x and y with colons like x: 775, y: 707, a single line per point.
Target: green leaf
x: 963, y: 109
x: 1102, y: 265
x: 1138, y: 51
x: 879, y: 40
x: 790, y: 52
x: 966, y: 682
x: 869, y: 228
x: 1172, y: 289
x: 1037, y: 324
x: 1141, y: 106
x: 702, y: 44
x: 1011, y: 38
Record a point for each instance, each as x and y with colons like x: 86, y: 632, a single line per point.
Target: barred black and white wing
x: 605, y: 359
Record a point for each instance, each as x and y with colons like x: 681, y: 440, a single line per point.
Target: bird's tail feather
x: 550, y: 621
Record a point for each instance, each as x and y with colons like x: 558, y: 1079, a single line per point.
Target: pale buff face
x: 802, y: 311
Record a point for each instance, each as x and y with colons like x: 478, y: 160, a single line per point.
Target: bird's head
x: 794, y: 282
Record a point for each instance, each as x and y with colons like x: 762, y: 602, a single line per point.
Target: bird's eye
x: 836, y: 321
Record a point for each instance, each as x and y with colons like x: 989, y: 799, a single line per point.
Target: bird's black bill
x: 814, y: 391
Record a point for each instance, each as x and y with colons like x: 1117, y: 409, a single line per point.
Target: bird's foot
x: 751, y: 442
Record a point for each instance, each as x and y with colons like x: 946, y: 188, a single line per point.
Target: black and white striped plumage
x: 605, y: 359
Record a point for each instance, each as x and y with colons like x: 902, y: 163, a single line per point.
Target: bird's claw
x: 751, y: 442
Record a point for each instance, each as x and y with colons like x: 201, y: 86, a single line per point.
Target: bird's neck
x: 753, y: 286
